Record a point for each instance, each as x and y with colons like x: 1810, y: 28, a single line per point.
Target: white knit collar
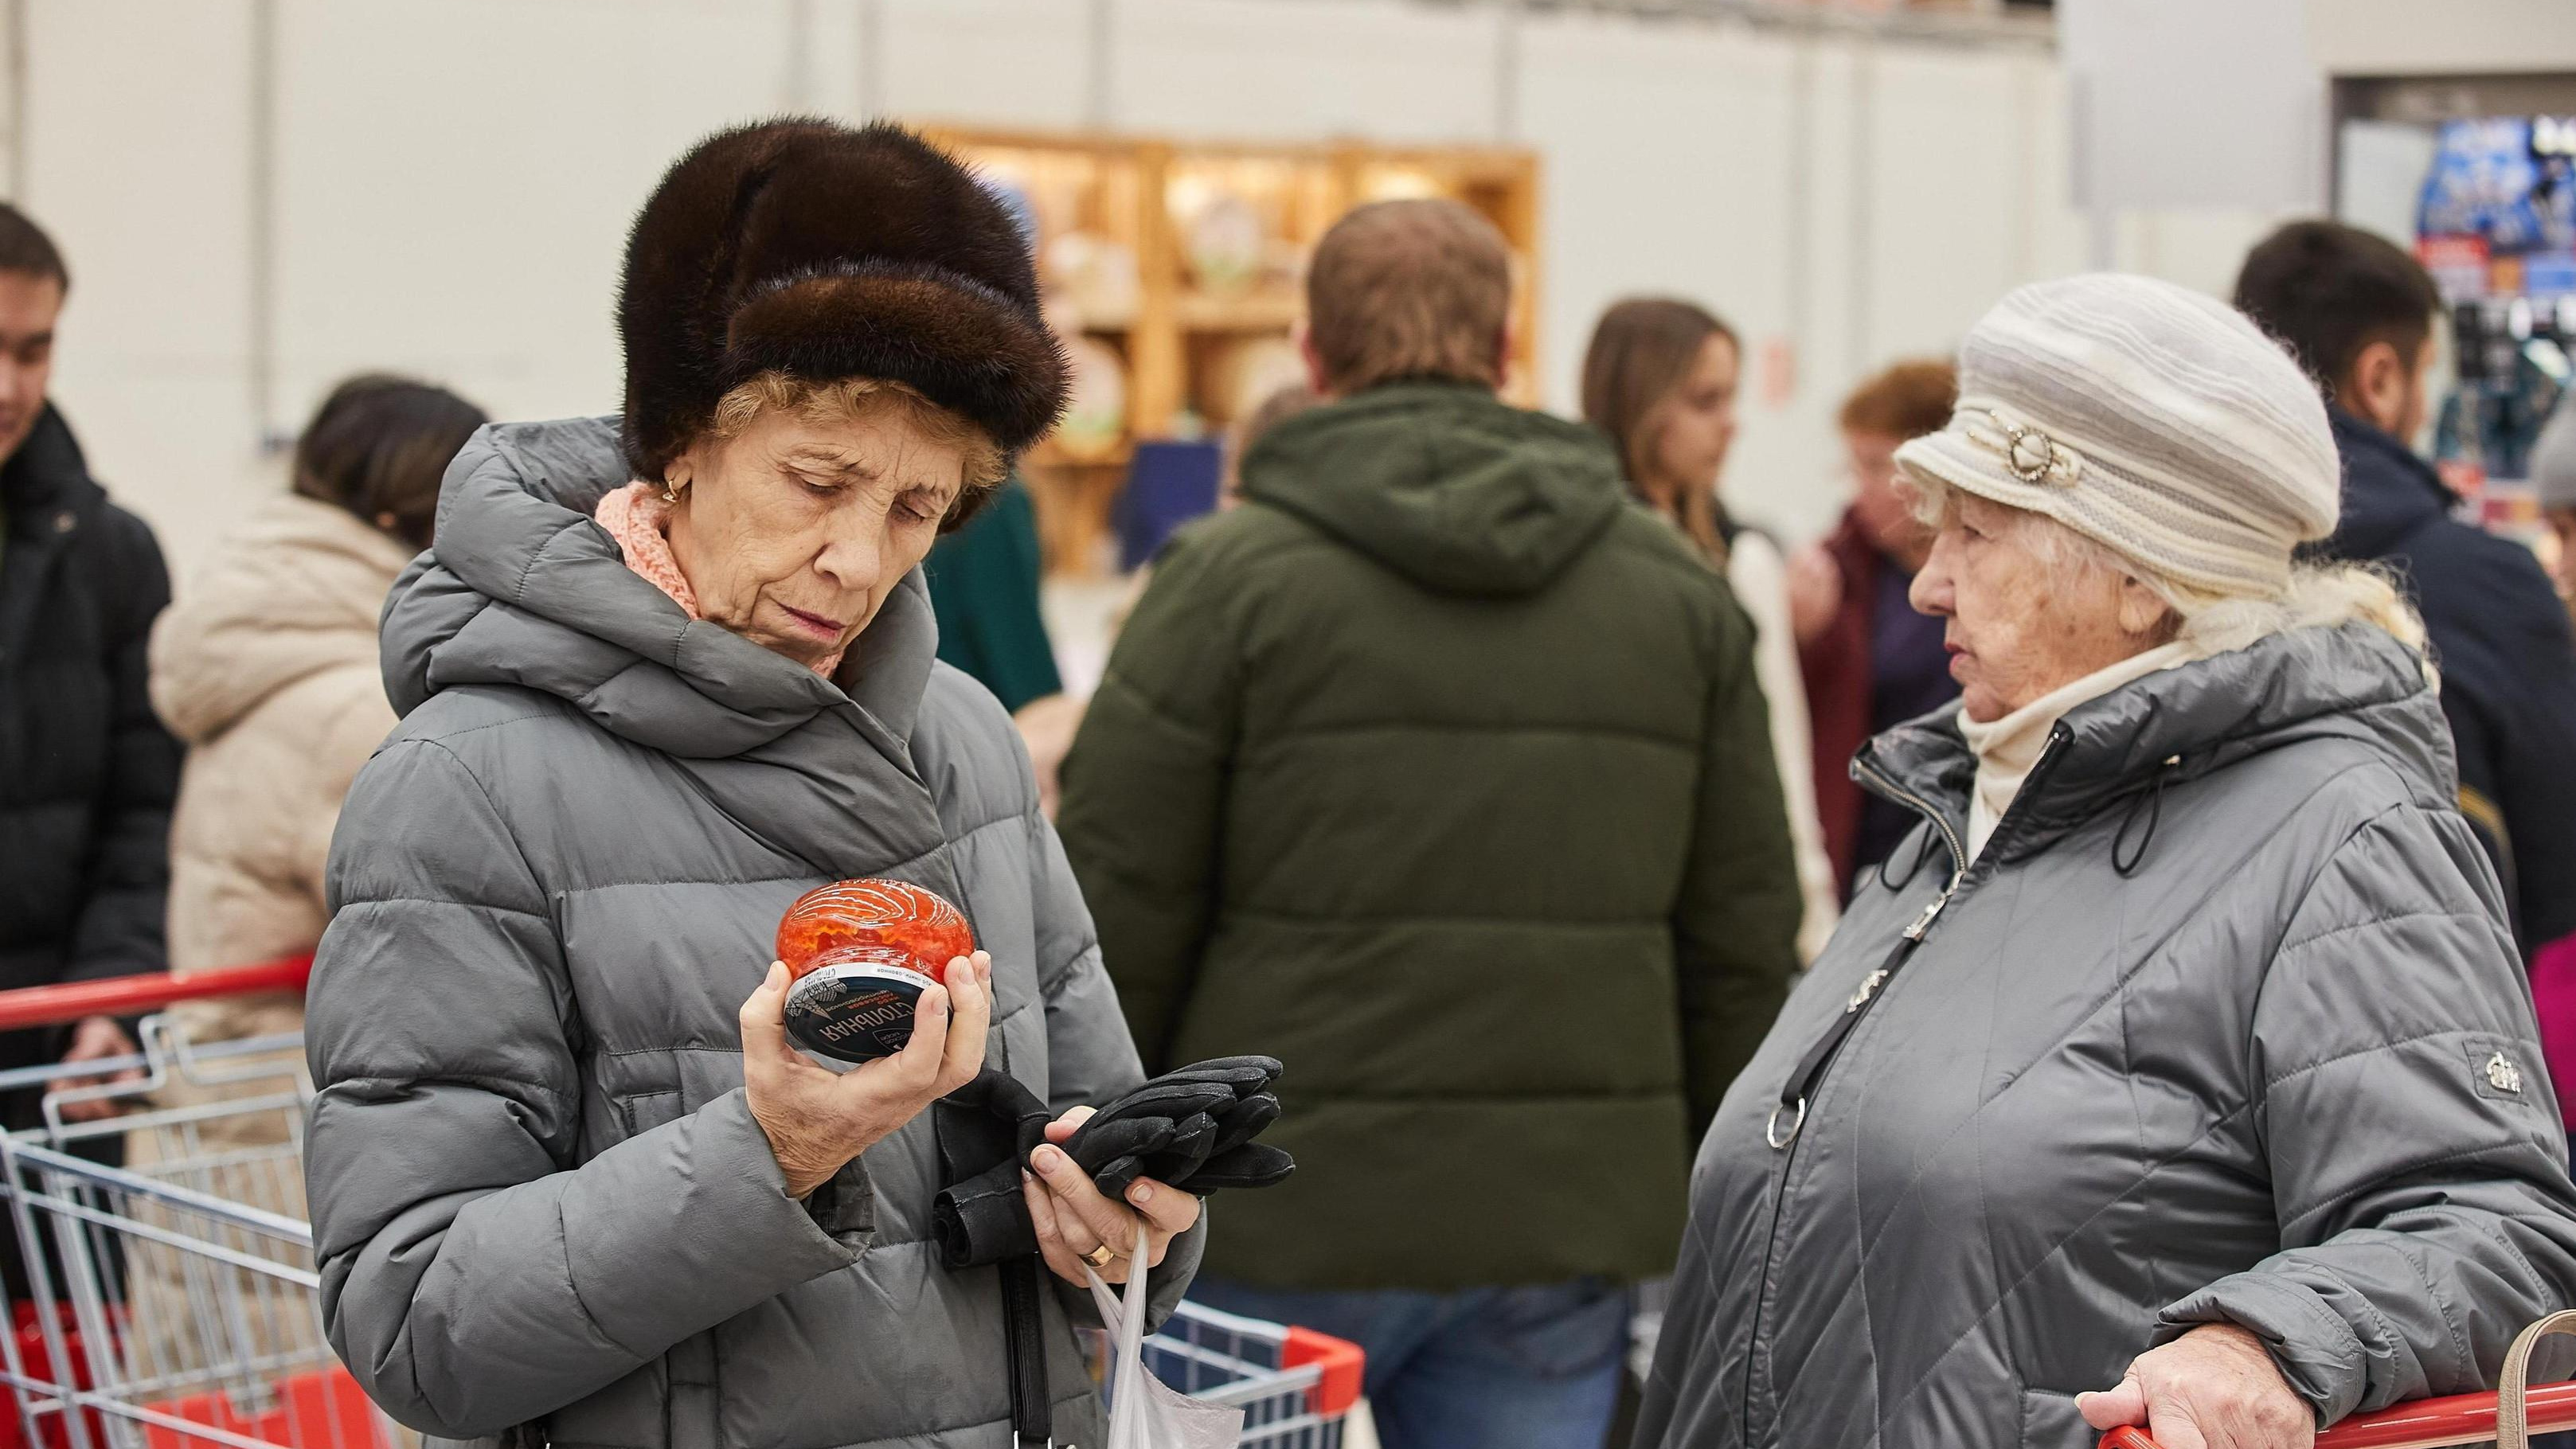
x: 2007, y: 747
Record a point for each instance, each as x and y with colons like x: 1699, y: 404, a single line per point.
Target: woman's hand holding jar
x: 818, y: 1120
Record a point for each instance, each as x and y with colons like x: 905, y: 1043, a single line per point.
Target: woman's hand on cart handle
x: 1074, y: 1221
x: 95, y: 1038
x: 816, y: 1119
x: 2215, y: 1387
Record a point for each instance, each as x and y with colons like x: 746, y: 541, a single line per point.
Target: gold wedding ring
x: 1102, y: 1256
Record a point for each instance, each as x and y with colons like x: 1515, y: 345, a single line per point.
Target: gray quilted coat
x: 538, y: 1196
x: 2284, y: 1073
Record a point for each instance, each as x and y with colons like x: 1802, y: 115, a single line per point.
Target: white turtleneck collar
x: 2006, y: 748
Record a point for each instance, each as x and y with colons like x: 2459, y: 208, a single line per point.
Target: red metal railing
x: 2420, y: 1424
x: 140, y: 995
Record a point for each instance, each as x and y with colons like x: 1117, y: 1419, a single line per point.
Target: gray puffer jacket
x: 538, y: 1196
x: 2282, y: 1073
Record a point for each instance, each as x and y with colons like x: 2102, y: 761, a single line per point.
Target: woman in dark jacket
x: 563, y: 1174
x: 2177, y: 1071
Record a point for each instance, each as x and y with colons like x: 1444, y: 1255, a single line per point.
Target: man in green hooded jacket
x: 1439, y: 771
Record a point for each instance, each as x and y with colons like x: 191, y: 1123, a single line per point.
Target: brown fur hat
x: 827, y: 253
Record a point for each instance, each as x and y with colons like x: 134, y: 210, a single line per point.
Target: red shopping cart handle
x: 137, y: 995
x: 2420, y: 1424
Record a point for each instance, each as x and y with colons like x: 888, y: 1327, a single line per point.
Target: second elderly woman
x: 657, y: 678
x: 2178, y: 1070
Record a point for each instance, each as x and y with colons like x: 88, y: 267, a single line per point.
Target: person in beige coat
x: 267, y: 670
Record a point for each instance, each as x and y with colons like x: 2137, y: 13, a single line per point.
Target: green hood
x: 1443, y: 483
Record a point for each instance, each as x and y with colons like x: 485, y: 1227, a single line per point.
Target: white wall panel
x: 1946, y: 212
x: 2199, y: 247
x: 2061, y: 235
x: 995, y: 62
x: 1665, y: 172
x: 457, y: 207
x: 137, y: 163
x: 1789, y: 474
x: 1377, y: 69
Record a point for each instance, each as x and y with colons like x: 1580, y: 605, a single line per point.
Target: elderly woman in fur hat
x: 658, y: 676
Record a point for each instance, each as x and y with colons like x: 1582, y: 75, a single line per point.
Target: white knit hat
x: 2150, y: 418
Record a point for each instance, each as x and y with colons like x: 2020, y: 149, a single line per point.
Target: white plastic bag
x: 1145, y: 1412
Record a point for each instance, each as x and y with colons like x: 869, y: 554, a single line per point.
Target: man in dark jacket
x: 1439, y: 771
x: 2358, y: 312
x: 86, y: 772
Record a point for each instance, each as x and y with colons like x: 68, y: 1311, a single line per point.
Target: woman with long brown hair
x: 1660, y: 378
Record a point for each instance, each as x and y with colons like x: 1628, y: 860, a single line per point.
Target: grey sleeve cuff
x: 2315, y: 1350
x: 845, y: 1206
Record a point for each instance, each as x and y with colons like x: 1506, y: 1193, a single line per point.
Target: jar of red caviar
x: 859, y: 953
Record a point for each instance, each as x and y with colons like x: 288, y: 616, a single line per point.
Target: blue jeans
x: 1489, y: 1368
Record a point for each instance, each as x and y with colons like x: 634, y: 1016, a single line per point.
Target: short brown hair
x: 2328, y: 291
x: 1905, y: 401
x: 24, y: 247
x: 1410, y: 289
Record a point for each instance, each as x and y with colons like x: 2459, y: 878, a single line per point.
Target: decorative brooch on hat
x: 2030, y: 454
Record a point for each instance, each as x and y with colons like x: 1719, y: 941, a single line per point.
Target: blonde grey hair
x: 2210, y: 623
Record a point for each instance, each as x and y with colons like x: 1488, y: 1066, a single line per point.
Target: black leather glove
x: 1192, y: 1129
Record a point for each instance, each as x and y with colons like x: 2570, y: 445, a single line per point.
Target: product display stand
x: 1175, y: 272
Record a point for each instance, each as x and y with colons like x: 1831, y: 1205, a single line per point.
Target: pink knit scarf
x: 640, y: 521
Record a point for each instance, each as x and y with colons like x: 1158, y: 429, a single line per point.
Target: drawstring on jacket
x: 2153, y: 797
x: 1931, y: 843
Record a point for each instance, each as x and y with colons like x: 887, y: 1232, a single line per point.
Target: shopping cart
x: 1295, y: 1386
x: 174, y: 1302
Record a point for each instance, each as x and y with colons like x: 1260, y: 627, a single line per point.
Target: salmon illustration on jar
x: 859, y: 953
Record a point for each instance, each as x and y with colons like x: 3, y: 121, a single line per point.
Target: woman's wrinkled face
x: 1694, y: 425
x: 2018, y: 627
x: 793, y: 531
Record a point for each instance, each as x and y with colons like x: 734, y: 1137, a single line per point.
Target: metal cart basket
x: 1296, y: 1387
x: 172, y: 1301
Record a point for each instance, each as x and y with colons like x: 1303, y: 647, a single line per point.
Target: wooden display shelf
x: 1194, y: 346
x: 1277, y: 310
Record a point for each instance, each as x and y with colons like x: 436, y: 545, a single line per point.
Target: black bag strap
x: 986, y: 1129
x: 1024, y: 1346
